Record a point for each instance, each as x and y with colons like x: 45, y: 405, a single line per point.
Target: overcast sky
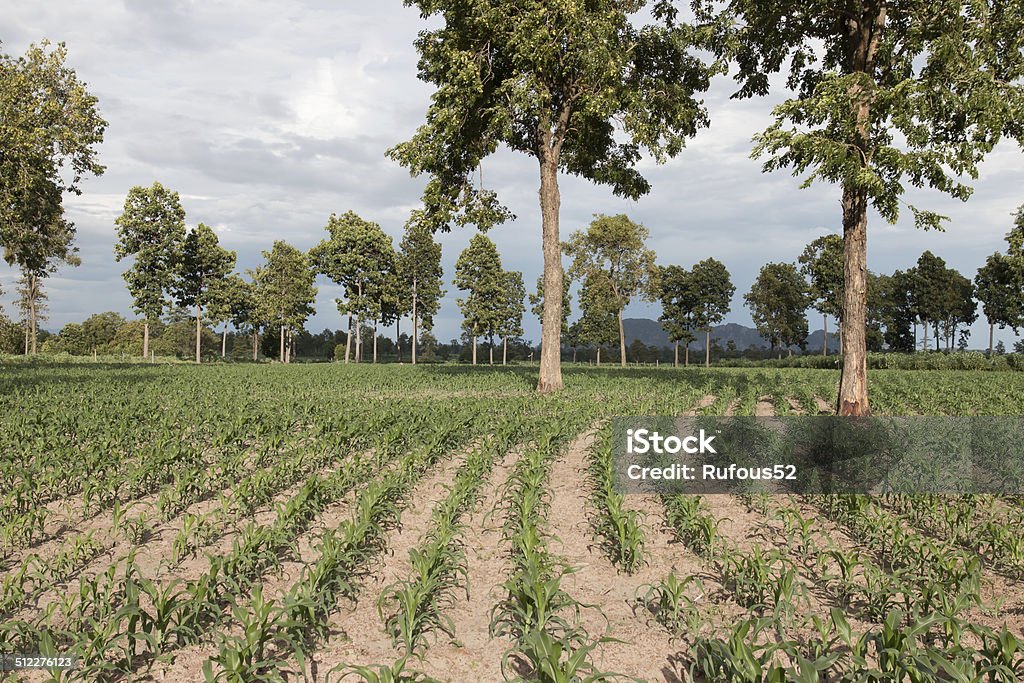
x: 267, y: 117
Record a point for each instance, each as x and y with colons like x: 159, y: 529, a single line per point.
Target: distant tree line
x: 182, y: 279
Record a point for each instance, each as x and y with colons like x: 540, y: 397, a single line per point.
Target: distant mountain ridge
x: 651, y: 333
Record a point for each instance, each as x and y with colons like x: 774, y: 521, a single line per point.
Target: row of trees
x: 175, y: 267
x: 931, y: 295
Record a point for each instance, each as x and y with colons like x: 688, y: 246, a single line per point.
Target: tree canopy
x: 614, y: 248
x: 778, y: 302
x: 49, y: 130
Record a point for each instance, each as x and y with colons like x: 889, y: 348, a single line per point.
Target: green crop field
x: 398, y: 523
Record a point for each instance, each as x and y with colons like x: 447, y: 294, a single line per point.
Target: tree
x: 778, y: 302
x: 419, y: 270
x: 959, y: 308
x: 1000, y: 283
x: 714, y: 290
x: 598, y: 323
x: 359, y: 256
x: 49, y: 128
x: 231, y: 300
x: 202, y: 263
x: 478, y: 271
x: 512, y: 310
x: 578, y: 86
x: 32, y: 303
x: 283, y: 290
x: 887, y: 93
x: 928, y: 291
x: 613, y: 247
x: 890, y: 305
x: 151, y: 228
x: 678, y: 303
x: 100, y: 329
x: 822, y: 264
x: 999, y: 288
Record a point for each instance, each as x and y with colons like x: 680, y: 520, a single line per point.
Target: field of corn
x: 398, y: 523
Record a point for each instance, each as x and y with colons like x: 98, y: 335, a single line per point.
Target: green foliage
x: 694, y: 300
x: 283, y: 287
x: 548, y: 81
x: 512, y: 308
x: 885, y: 93
x: 418, y: 265
x: 614, y: 248
x: 151, y: 229
x: 778, y: 302
x: 478, y: 272
x: 49, y: 128
x: 598, y: 323
x: 822, y: 264
x: 201, y: 264
x: 359, y: 256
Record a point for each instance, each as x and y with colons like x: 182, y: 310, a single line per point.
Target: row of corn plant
x: 291, y: 626
x: 617, y: 526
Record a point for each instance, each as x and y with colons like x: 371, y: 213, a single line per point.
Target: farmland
x: 385, y: 523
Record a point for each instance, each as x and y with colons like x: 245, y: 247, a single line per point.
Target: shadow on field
x: 584, y: 377
x: 521, y: 376
x: 21, y: 376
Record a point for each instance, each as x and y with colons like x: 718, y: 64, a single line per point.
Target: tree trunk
x: 33, y: 284
x: 224, y: 342
x: 853, y: 382
x: 145, y: 339
x: 936, y: 336
x: 789, y: 351
x: 255, y: 344
x: 281, y: 352
x: 824, y: 328
x: 573, y: 355
x: 348, y: 338
x: 598, y: 356
x: 687, y: 354
x: 991, y: 333
x: 550, y: 377
x: 915, y: 336
x: 675, y: 362
x: 374, y: 342
x: 924, y: 342
x: 490, y: 350
x: 707, y: 348
x: 359, y: 326
x: 199, y: 322
x: 398, y: 338
x: 473, y: 341
x: 504, y: 350
x: 622, y: 341
x: 415, y: 322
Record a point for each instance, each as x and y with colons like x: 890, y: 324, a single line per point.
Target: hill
x: 651, y: 333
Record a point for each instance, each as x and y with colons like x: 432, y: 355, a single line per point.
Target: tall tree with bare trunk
x: 884, y: 93
x: 582, y: 87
